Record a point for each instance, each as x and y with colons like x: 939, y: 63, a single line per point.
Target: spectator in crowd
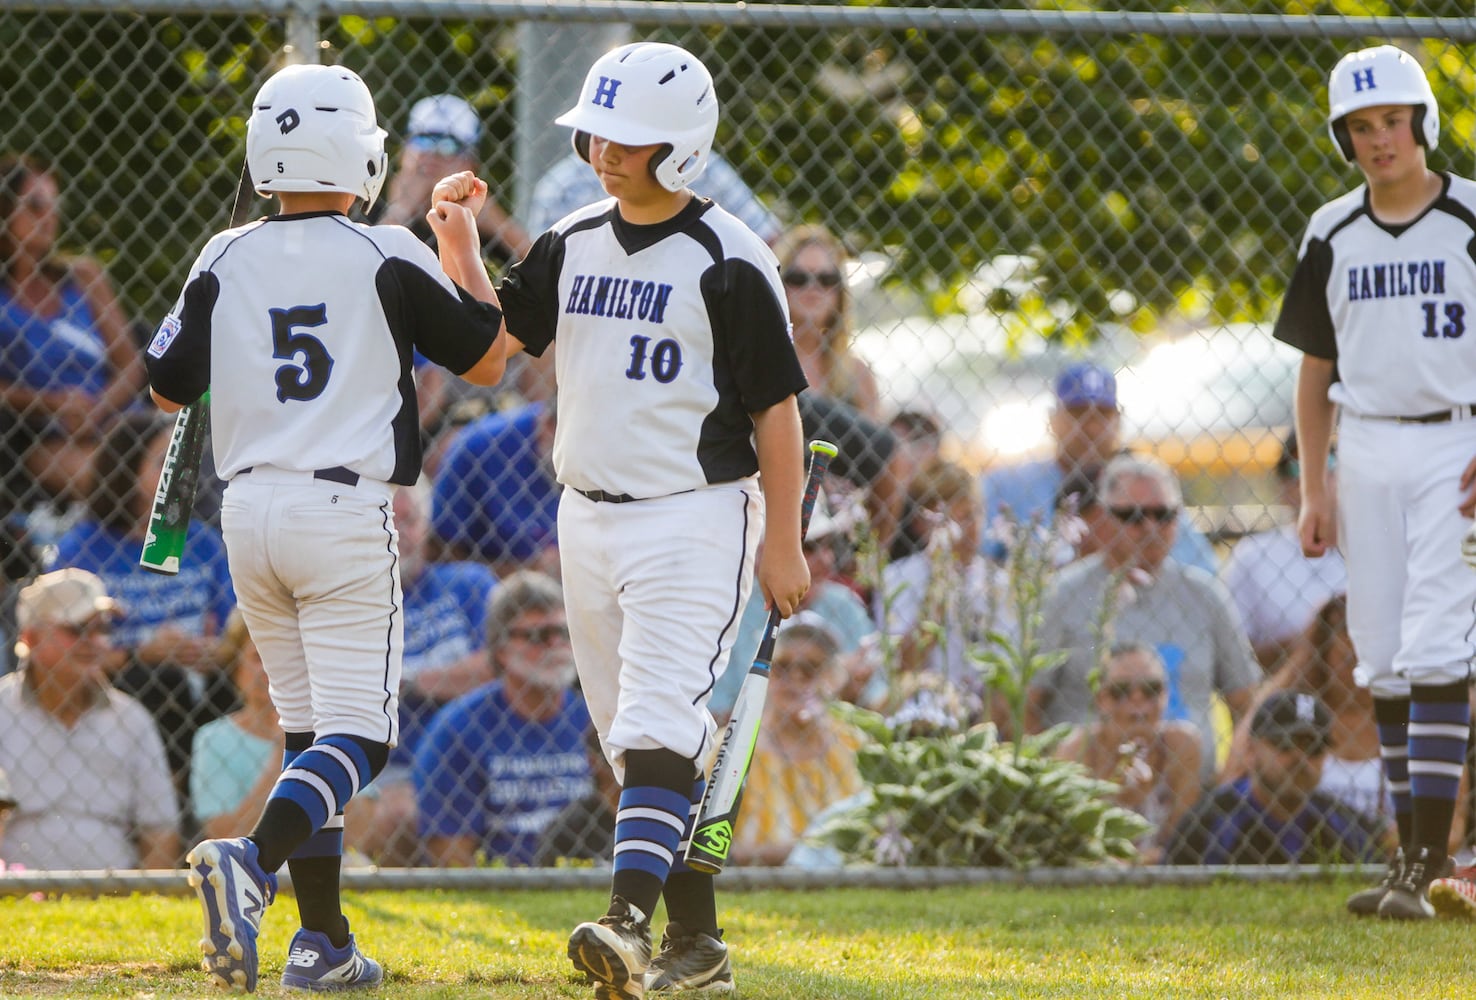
x: 939, y: 604
x: 830, y: 600
x: 1132, y: 591
x: 238, y: 757
x: 1086, y: 425
x: 68, y: 364
x: 870, y: 461
x: 584, y: 830
x: 164, y: 644
x: 1154, y: 762
x: 1275, y: 814
x: 920, y: 433
x: 805, y: 758
x: 445, y: 635
x: 7, y: 808
x: 1077, y: 498
x: 1277, y: 589
x: 812, y: 265
x: 569, y: 184
x: 496, y: 498
x: 1323, y: 662
x: 442, y: 137
x: 498, y: 764
x: 90, y: 779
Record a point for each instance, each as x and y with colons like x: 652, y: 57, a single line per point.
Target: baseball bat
x: 174, y: 500
x: 712, y: 831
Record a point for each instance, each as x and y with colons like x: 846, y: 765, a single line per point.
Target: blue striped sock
x: 320, y: 781
x: 648, y: 829
x: 1439, y: 727
x: 1391, y: 716
x: 327, y: 842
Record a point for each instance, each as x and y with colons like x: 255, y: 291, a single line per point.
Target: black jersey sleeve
x: 529, y: 293
x: 454, y: 331
x: 178, y: 358
x: 1305, y: 321
x: 750, y: 329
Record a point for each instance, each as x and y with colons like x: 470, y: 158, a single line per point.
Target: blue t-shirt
x: 446, y: 614
x: 64, y: 350
x: 483, y: 771
x: 1229, y: 827
x: 197, y: 601
x: 495, y: 496
x: 1029, y: 490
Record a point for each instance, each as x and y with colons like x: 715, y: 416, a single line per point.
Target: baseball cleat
x: 1455, y: 896
x: 234, y: 891
x: 314, y: 964
x: 690, y: 960
x: 614, y: 952
x: 1365, y: 902
x: 1409, y: 897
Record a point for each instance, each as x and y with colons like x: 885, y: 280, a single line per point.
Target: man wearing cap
x: 1086, y: 424
x: 85, y: 761
x: 1275, y: 815
x: 441, y: 138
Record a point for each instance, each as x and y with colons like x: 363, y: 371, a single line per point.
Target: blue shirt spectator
x: 495, y: 495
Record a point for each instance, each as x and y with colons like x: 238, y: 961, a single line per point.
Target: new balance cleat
x: 690, y: 960
x: 614, y: 952
x: 234, y: 891
x: 314, y: 964
x: 1365, y: 902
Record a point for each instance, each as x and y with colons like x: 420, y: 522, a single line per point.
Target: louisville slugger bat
x: 712, y: 831
x: 174, y: 500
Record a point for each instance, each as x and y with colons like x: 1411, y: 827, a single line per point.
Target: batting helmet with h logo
x: 1377, y: 76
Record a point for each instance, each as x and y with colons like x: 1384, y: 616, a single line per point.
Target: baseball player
x: 677, y: 383
x: 303, y: 326
x: 1379, y: 304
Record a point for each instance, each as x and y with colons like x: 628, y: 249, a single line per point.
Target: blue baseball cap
x: 1086, y: 384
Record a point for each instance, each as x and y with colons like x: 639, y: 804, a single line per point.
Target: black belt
x: 600, y: 496
x: 1463, y: 412
x: 337, y: 474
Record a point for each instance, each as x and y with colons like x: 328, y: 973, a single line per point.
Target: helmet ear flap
x: 658, y: 158
x: 1345, y: 141
x: 581, y: 144
x: 1417, y: 124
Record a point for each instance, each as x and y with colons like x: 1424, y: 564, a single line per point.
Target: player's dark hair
x: 113, y: 498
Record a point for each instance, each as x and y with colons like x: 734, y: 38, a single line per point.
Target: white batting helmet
x: 644, y: 93
x: 313, y: 128
x: 1380, y: 75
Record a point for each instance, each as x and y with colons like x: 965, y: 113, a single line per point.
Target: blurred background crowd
x: 1136, y: 413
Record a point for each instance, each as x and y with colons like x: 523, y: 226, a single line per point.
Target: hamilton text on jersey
x: 1387, y: 281
x: 619, y: 298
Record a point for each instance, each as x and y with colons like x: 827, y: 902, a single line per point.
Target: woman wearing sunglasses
x: 812, y: 264
x: 1155, y: 763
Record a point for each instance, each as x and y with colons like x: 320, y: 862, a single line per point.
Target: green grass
x: 1228, y: 939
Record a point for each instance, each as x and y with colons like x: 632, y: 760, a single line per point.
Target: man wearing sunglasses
x: 1181, y: 611
x: 1275, y: 814
x: 85, y: 760
x: 499, y: 763
x: 1086, y: 426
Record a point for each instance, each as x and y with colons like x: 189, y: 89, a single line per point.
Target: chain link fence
x: 1001, y: 193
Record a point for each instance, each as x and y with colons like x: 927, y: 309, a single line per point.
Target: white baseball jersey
x: 669, y: 335
x: 1393, y: 306
x: 308, y: 367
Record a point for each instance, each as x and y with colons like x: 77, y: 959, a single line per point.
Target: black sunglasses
x: 796, y: 277
x: 540, y: 635
x: 1122, y: 690
x: 1137, y: 515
